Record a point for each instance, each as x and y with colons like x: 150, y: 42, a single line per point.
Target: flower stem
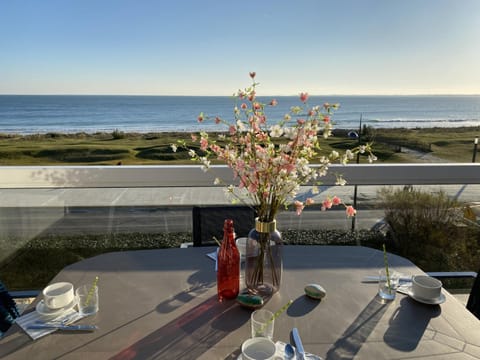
x: 274, y: 316
x: 387, y: 272
x: 90, y: 292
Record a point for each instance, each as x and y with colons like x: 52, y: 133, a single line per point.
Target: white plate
x: 437, y: 301
x: 42, y: 309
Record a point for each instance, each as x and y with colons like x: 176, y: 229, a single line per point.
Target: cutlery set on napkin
x: 37, y: 325
x: 298, y: 352
x: 63, y: 327
x: 375, y: 279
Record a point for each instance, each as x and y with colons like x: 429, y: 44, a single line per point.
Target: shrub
x: 117, y: 134
x: 430, y: 229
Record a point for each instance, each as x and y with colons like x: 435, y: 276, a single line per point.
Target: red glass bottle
x: 228, y: 264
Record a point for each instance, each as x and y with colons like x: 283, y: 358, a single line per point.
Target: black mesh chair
x: 473, y: 303
x: 208, y: 222
x: 8, y: 309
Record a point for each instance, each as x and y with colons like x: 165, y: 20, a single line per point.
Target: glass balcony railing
x: 51, y: 216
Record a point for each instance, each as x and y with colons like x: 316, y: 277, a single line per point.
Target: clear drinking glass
x: 387, y: 285
x: 87, y: 297
x: 262, y: 323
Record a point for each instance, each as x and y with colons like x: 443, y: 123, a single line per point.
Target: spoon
x: 289, y: 351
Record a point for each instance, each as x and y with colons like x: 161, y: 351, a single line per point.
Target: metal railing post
x: 475, y: 145
x: 355, y: 187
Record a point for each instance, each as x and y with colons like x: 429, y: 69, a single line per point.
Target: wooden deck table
x: 161, y: 304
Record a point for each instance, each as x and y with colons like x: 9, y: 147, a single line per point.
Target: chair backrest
x: 208, y: 222
x: 473, y: 303
x: 8, y: 309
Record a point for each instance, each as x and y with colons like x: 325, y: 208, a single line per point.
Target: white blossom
x: 276, y: 131
x: 240, y: 125
x: 205, y: 164
x: 340, y: 180
x: 334, y: 154
x: 371, y: 158
x: 349, y: 154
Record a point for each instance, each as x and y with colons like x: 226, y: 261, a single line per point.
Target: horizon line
x: 260, y: 96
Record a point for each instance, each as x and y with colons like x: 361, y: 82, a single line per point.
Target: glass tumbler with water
x: 387, y: 284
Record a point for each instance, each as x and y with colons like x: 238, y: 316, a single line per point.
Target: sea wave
x: 91, y: 114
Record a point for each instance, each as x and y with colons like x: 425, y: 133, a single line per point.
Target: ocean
x: 31, y: 114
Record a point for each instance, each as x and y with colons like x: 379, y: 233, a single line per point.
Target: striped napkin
x: 33, y: 317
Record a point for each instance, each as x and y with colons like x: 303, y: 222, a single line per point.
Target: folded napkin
x: 404, y: 289
x: 34, y: 317
x: 280, y: 352
x: 212, y: 255
x: 375, y: 278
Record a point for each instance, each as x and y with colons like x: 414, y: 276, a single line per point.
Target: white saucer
x: 42, y: 309
x: 437, y: 301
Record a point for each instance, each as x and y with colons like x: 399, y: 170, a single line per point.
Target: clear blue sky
x: 194, y: 47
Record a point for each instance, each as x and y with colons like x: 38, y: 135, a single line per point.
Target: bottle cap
x: 228, y: 224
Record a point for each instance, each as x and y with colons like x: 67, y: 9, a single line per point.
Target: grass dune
x: 451, y: 144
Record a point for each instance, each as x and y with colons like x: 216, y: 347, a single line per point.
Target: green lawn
x: 454, y: 144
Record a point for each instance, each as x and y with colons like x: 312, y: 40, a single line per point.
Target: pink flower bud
x: 327, y: 204
x: 303, y: 97
x: 298, y: 207
x: 203, y: 144
x: 336, y: 201
x: 350, y: 211
x: 273, y: 102
x: 252, y: 74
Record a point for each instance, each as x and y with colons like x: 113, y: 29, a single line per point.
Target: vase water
x: 264, y: 264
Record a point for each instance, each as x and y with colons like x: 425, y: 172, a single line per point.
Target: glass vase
x: 263, y: 259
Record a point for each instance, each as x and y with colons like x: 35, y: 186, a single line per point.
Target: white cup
x: 258, y: 348
x: 426, y: 287
x: 58, y: 295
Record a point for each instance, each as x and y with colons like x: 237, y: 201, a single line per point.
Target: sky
x: 208, y: 47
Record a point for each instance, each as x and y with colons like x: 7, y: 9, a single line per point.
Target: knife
x: 375, y: 279
x: 298, y: 343
x: 64, y: 327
